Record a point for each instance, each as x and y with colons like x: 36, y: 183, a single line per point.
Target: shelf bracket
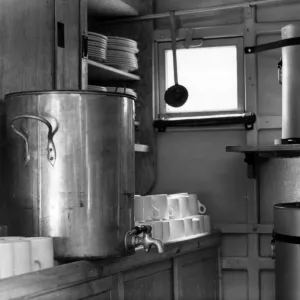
x: 250, y: 161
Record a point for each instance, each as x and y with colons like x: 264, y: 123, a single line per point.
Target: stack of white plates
x: 122, y: 44
x: 121, y: 53
x: 97, y: 88
x: 122, y: 90
x: 97, y: 46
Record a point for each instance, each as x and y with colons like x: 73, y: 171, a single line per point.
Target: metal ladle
x: 177, y: 94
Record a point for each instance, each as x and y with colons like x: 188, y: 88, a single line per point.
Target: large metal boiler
x: 71, y: 160
x: 287, y: 241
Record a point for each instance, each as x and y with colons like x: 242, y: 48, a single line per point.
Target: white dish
x: 112, y: 47
x: 91, y: 33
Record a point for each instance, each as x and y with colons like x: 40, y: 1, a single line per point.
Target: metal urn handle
x: 50, y: 147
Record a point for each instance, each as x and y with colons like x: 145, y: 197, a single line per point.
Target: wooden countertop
x: 93, y: 274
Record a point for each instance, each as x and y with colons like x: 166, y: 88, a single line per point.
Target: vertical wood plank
x: 176, y: 278
x: 252, y: 140
x: 117, y: 292
x: 67, y: 58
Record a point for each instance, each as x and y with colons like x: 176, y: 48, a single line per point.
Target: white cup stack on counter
x: 172, y: 217
x: 20, y: 255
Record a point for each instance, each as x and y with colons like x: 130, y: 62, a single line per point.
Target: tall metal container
x: 287, y: 250
x: 290, y: 84
x: 71, y: 163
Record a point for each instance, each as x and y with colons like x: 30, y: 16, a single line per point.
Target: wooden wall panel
x: 206, y: 19
x: 286, y: 11
x: 27, y: 55
x: 267, y: 283
x: 234, y: 245
x: 67, y: 59
x: 195, y: 276
x: 265, y: 245
x: 269, y: 90
x: 196, y: 162
x: 267, y: 136
x: 158, y: 286
x: 235, y: 285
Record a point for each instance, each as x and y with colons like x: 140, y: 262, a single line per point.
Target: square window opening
x: 212, y: 74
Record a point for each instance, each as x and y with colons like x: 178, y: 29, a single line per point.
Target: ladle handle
x: 173, y: 36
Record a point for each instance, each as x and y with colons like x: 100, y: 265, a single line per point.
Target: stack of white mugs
x: 172, y: 217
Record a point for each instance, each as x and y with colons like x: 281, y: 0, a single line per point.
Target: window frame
x: 160, y: 105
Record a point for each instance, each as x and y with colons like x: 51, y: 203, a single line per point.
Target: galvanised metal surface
x: 279, y: 180
x: 287, y: 250
x: 77, y: 173
x: 290, y: 84
x: 287, y: 219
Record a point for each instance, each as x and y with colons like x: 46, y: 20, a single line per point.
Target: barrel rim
x: 54, y: 92
x: 288, y: 206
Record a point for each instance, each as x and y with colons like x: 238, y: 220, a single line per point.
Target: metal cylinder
x: 287, y: 245
x: 71, y: 162
x: 290, y: 84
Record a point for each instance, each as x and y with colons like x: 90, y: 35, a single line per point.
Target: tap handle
x: 147, y: 229
x: 141, y: 229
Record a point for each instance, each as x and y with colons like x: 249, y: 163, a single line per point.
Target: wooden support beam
x: 245, y: 228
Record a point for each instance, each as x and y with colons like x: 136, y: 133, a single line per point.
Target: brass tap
x: 133, y: 240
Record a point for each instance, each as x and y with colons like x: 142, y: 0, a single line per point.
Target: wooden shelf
x: 287, y: 150
x: 114, y: 8
x: 141, y: 148
x: 98, y: 72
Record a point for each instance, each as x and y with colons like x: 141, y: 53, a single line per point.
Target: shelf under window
x: 100, y: 72
x: 248, y: 119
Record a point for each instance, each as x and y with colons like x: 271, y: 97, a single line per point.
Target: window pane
x: 210, y: 76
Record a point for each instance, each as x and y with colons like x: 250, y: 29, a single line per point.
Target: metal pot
x: 71, y: 162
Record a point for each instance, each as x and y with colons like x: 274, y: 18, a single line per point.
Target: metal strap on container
x: 274, y: 45
x: 286, y: 238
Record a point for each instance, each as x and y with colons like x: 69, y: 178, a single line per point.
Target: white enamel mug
x: 195, y: 207
x: 160, y: 204
x: 174, y: 209
x: 144, y: 210
x: 6, y: 259
x: 41, y: 253
x: 157, y: 229
x: 166, y: 231
x: 22, y: 256
x: 198, y: 226
x: 176, y: 229
x: 188, y: 226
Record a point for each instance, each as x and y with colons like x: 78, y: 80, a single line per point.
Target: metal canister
x: 290, y: 84
x: 71, y: 169
x: 287, y: 249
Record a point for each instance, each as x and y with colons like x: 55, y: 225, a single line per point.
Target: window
x: 212, y: 74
